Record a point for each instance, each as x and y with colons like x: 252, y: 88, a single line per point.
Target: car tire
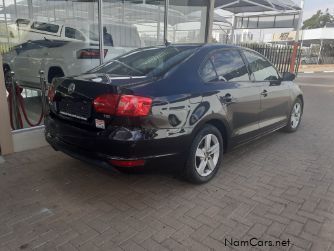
x: 295, y: 116
x: 206, y: 148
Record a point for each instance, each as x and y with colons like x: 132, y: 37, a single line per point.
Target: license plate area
x: 75, y: 109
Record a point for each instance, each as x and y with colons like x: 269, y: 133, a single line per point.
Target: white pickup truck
x: 62, y: 50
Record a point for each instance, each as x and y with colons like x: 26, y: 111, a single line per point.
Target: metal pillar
x: 100, y: 24
x: 30, y: 9
x: 300, y: 20
x: 209, y: 21
x: 296, y: 43
x: 43, y: 90
x: 158, y: 24
x: 234, y: 24
x: 166, y: 21
x: 15, y: 107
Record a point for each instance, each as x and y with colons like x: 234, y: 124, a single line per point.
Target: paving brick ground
x: 278, y: 188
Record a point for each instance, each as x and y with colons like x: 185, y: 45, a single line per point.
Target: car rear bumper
x: 101, y: 147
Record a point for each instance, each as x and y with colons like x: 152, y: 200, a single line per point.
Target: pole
x: 209, y: 21
x: 300, y: 20
x: 296, y: 43
x: 14, y: 102
x: 100, y: 24
x: 30, y: 10
x: 158, y: 24
x: 234, y: 23
x: 43, y: 90
x: 166, y: 21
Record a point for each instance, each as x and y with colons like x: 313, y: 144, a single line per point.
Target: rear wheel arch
x: 220, y: 124
x: 55, y: 71
x: 222, y: 128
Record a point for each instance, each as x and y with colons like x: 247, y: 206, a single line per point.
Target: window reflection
x: 260, y: 67
x: 230, y: 66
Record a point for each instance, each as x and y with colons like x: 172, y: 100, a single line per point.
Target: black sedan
x: 190, y: 103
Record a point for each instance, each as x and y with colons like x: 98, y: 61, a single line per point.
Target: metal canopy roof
x: 246, y: 6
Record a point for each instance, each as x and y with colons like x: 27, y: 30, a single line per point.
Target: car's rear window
x: 52, y: 28
x: 146, y: 62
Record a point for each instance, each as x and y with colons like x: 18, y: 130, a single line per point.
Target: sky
x: 311, y: 6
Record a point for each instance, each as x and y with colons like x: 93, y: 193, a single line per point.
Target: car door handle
x: 264, y: 93
x: 227, y: 99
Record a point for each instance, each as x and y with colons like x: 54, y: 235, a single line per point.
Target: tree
x: 318, y: 20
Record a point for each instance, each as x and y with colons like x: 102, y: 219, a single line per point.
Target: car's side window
x: 229, y: 66
x: 74, y: 34
x: 260, y: 67
x: 208, y: 72
x: 52, y: 28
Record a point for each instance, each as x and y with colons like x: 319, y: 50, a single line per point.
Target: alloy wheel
x: 207, y: 155
x: 296, y: 115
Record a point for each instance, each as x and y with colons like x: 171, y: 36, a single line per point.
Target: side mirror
x: 288, y: 76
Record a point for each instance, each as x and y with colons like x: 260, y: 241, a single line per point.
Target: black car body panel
x: 182, y: 102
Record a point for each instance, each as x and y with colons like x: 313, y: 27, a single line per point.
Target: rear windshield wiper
x: 129, y: 67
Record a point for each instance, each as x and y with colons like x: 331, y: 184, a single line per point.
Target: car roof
x: 206, y: 45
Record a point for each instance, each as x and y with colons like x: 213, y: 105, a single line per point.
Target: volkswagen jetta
x: 190, y: 103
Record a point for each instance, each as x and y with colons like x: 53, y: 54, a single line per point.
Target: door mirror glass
x: 288, y: 76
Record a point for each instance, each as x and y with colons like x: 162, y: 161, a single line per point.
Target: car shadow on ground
x: 168, y: 168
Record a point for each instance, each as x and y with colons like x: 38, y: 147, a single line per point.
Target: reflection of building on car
x: 61, y: 50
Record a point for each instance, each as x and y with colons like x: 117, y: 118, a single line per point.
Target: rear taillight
x: 90, y: 53
x: 51, y: 93
x: 123, y: 105
x: 106, y: 103
x: 133, y: 106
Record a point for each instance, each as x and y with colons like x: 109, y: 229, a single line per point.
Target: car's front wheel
x: 295, y: 116
x: 206, y: 154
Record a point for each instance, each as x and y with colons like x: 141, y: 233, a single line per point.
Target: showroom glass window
x: 260, y: 67
x: 225, y: 65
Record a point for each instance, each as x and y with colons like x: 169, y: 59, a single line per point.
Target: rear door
x: 226, y: 71
x: 274, y: 92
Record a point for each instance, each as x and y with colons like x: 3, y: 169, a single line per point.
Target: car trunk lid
x: 75, y: 95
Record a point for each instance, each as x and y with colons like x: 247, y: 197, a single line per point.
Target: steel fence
x: 279, y: 55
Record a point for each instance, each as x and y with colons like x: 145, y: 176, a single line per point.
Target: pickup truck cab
x: 63, y: 49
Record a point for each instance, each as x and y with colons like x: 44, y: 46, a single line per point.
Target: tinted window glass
x: 74, y: 34
x: 52, y: 28
x: 208, y: 72
x: 230, y: 66
x: 261, y: 68
x: 149, y: 61
x: 21, y: 21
